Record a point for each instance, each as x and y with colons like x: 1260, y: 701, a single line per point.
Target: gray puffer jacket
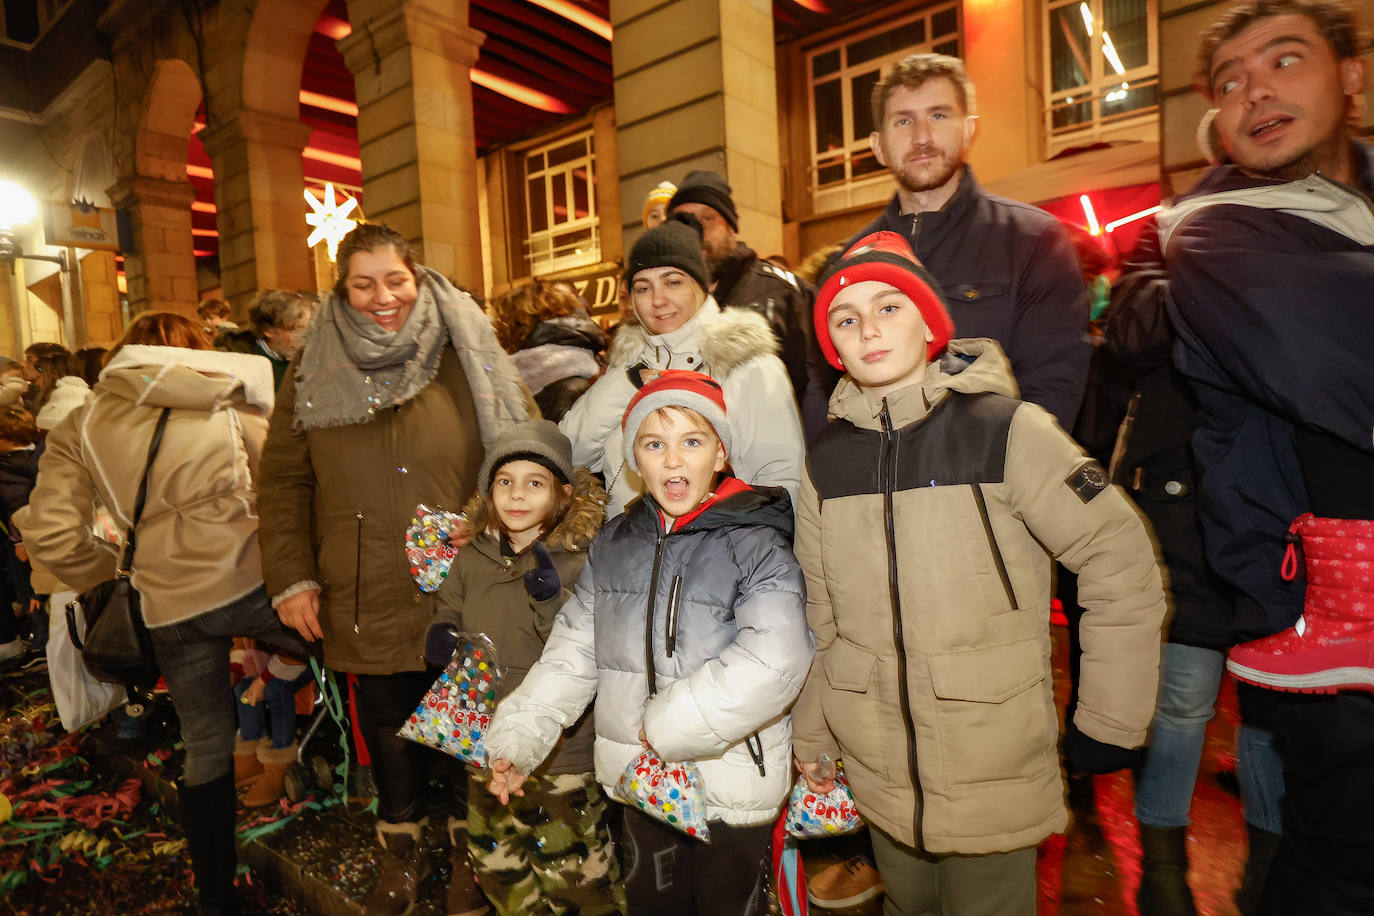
x: 724, y: 587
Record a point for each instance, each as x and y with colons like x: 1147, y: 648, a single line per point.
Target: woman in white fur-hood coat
x: 736, y: 347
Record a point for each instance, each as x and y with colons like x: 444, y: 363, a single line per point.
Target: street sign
x: 77, y: 224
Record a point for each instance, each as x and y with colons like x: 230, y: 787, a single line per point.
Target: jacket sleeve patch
x: 1087, y: 481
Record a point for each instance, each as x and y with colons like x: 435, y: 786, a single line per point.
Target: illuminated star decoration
x: 330, y: 219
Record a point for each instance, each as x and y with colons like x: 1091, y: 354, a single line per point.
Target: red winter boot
x: 1331, y: 647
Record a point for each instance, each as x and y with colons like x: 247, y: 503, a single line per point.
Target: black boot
x: 1263, y: 846
x: 207, y: 817
x: 1164, y: 872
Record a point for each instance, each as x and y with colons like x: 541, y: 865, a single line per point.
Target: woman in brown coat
x: 389, y: 403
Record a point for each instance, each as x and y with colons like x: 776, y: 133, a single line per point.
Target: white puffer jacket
x: 740, y: 653
x: 735, y: 347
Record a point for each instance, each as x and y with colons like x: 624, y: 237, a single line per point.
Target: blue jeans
x: 1260, y: 772
x: 194, y: 658
x: 1189, y: 677
x: 275, y: 714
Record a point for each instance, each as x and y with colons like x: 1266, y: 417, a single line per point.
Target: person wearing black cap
x: 740, y: 278
x: 681, y: 327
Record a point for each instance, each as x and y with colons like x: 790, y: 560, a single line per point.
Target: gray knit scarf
x: 351, y: 367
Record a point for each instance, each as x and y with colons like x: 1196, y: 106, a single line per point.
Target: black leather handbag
x: 117, y: 648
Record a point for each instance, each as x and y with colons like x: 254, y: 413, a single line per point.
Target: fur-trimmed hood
x: 574, y: 533
x: 714, y: 340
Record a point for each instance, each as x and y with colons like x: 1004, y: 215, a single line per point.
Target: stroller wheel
x: 294, y: 784
x: 322, y: 771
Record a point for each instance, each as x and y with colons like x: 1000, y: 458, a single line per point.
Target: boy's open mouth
x: 676, y: 488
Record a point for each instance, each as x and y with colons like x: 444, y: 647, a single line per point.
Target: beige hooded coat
x: 927, y: 529
x: 197, y: 546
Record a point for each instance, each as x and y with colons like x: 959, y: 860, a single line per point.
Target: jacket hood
x: 737, y: 503
x: 725, y: 339
x: 1229, y: 177
x: 69, y: 393
x: 575, y: 330
x: 187, y: 379
x: 968, y: 366
x: 1339, y: 207
x: 541, y: 366
x: 586, y: 511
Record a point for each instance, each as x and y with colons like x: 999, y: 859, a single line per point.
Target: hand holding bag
x: 117, y: 648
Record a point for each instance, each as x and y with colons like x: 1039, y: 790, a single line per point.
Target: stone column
x: 100, y: 299
x: 161, y: 270
x: 695, y: 89
x: 411, y: 64
x: 258, y: 183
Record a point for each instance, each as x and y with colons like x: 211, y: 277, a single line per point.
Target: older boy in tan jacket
x: 935, y: 505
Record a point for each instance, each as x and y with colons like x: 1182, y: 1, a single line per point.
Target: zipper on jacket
x: 649, y: 671
x: 887, y: 472
x: 358, y: 575
x: 755, y: 745
x: 992, y: 545
x: 670, y: 620
x: 915, y: 229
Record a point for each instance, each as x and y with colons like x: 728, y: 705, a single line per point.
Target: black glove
x: 440, y: 642
x: 543, y: 582
x: 1088, y: 755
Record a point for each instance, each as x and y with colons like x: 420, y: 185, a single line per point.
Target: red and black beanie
x: 676, y: 388
x: 887, y: 258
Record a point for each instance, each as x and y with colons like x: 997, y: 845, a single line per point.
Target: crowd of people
x: 775, y: 519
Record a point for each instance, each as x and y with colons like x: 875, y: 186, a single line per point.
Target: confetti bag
x: 668, y: 792
x: 816, y: 814
x: 457, y: 710
x: 428, y: 550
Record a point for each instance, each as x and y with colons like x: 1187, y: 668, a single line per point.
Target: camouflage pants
x: 548, y: 851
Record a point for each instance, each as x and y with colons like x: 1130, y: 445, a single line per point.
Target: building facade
x: 512, y: 139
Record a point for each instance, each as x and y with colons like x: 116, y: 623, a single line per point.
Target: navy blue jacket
x: 1275, y: 329
x: 1008, y: 271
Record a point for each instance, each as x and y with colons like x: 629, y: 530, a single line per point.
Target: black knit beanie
x: 675, y: 243
x: 705, y: 187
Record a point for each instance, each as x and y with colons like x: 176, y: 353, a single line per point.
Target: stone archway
x: 255, y: 146
x: 161, y: 270
x: 166, y: 120
x: 278, y: 39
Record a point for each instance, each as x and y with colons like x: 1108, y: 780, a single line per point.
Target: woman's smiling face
x: 381, y: 286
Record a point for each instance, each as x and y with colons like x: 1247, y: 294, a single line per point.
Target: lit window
x: 841, y: 75
x: 1102, y: 66
x: 560, y: 205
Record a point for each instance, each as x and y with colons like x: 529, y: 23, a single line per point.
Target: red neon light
x: 577, y: 15
x: 1093, y: 226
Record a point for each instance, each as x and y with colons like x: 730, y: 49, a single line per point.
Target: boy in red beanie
x: 928, y: 526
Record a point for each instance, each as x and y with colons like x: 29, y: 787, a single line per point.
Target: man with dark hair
x: 1270, y: 263
x: 1008, y: 270
x: 740, y: 278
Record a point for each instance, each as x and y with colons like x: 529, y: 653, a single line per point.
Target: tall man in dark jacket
x: 1271, y: 290
x: 740, y: 278
x: 1007, y: 269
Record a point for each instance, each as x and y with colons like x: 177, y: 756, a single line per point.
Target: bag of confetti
x: 668, y: 792
x: 428, y: 550
x: 457, y: 710
x: 819, y: 814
